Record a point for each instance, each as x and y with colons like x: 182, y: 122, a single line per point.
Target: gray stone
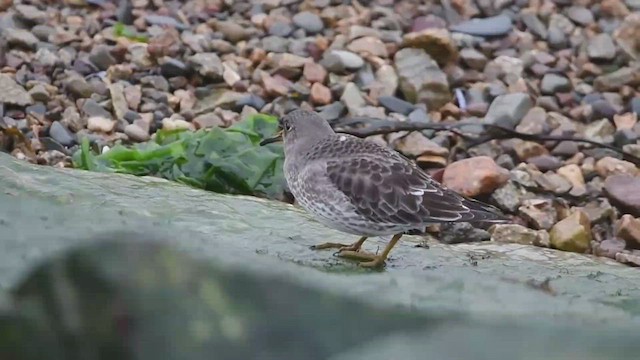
x: 61, y: 134
x: 554, y: 83
x: 421, y: 79
x: 12, y: 93
x: 136, y: 132
x: 31, y: 14
x: 557, y: 38
x: 489, y: 26
x: 79, y: 87
x: 393, y: 104
x: 507, y: 110
x: 308, y: 21
x: 21, y: 38
x: 473, y: 58
x: 352, y: 98
x: 162, y: 20
x: 534, y: 24
x: 207, y: 64
x: 101, y: 57
x: 339, y: 60
x: 580, y: 15
x: 280, y: 29
x: 118, y: 100
x: 601, y: 47
x: 457, y: 233
x: 275, y: 44
x: 615, y: 80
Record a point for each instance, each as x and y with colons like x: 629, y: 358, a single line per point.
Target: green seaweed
x: 228, y: 160
x: 120, y: 29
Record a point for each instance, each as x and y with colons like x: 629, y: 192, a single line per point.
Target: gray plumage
x: 362, y: 188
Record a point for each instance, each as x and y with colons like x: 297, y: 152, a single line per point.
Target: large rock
x: 261, y: 252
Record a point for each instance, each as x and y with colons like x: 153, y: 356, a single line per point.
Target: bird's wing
x: 398, y: 192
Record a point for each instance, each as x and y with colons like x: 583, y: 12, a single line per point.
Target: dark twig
x: 496, y: 132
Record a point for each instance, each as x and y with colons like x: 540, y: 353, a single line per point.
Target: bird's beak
x: 276, y: 138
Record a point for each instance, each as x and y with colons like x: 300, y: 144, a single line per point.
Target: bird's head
x: 300, y: 125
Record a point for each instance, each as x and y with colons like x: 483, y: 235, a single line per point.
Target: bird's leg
x: 378, y: 261
x: 329, y: 245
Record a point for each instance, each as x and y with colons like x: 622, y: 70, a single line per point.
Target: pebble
x: 601, y: 48
x: 61, y: 134
x: 207, y: 121
x: 488, y: 26
x: 101, y: 124
x: 101, y: 57
x: 572, y: 233
x: 352, y: 98
x: 420, y: 78
x: 369, y: 45
x: 580, y: 15
x: 554, y: 83
x: 308, y: 21
x: 314, y: 72
x: 136, y: 133
x: 609, y: 248
x: 539, y: 213
x: 473, y: 58
x: 78, y: 87
x: 518, y: 234
x: 455, y: 233
x: 608, y: 166
x: 393, y: 104
x: 20, y: 38
x: 507, y: 110
x: 628, y: 229
x: 118, y: 100
x: 207, y: 64
x: 474, y: 176
x: 534, y: 24
x: 320, y: 94
x: 12, y: 93
x: 622, y: 191
x: 339, y: 60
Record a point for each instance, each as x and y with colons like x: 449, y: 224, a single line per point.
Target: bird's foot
x: 351, y: 247
x: 368, y: 260
x: 329, y: 245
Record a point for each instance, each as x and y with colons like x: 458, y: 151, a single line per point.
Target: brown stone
x: 369, y: 45
x: 314, y: 72
x: 320, y: 94
x: 625, y: 121
x: 608, y: 166
x: 527, y: 149
x: 275, y: 85
x: 474, y: 176
x: 415, y: 144
x: 436, y: 42
x: 207, y: 121
x: 539, y: 213
x: 573, y: 174
x: 628, y: 229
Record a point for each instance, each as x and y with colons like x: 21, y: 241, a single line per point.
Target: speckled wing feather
x: 387, y: 188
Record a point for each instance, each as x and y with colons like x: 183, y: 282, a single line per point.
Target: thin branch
x: 381, y: 127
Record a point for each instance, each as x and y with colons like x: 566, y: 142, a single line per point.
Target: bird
x: 361, y: 188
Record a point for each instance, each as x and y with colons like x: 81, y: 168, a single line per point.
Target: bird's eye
x: 287, y: 127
